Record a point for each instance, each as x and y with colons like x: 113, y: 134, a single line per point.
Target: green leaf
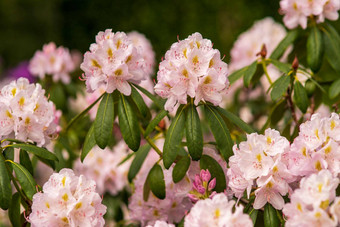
x: 237, y: 75
x: 139, y: 101
x: 301, y: 97
x: 38, y: 151
x: 180, y: 169
x: 174, y: 138
x: 156, y: 100
x: 236, y: 120
x: 220, y: 131
x: 25, y: 179
x: 25, y: 161
x: 280, y: 87
x: 89, y: 143
x: 284, y: 44
x: 57, y: 95
x: 332, y: 46
x: 146, y: 189
x: 5, y: 185
x: 253, y: 215
x: 334, y: 90
x: 281, y: 66
x: 315, y: 49
x: 82, y: 114
x: 47, y: 162
x: 156, y: 181
x: 270, y: 217
x: 103, y: 124
x: 9, y: 153
x: 138, y: 161
x: 194, y: 133
x: 216, y: 171
x: 249, y: 73
x: 14, y: 210
x: 151, y: 126
x: 128, y: 124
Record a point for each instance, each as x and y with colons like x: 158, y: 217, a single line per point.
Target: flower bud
x: 205, y: 175
x: 212, y: 184
x: 295, y: 64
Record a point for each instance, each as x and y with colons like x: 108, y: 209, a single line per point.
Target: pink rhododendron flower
x: 67, y: 200
x: 161, y: 224
x: 217, y: 211
x: 26, y: 114
x: 192, y: 68
x: 53, y: 61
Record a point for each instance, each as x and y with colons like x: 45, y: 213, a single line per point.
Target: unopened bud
x: 263, y: 52
x: 161, y: 124
x: 212, y: 184
x: 205, y: 175
x: 295, y: 64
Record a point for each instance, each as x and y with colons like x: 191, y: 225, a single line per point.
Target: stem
x: 152, y: 144
x: 264, y: 66
x: 291, y: 105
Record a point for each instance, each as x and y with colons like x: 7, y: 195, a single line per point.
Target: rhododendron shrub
x: 132, y: 144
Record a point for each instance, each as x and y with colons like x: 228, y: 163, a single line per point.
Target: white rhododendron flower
x: 67, y: 200
x: 192, y: 68
x: 26, y: 114
x: 53, y: 61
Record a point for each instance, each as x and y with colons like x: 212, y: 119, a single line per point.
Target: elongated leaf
x: 220, y: 131
x: 47, y: 162
x: 173, y: 138
x: 156, y: 100
x: 284, y: 44
x: 249, y: 73
x: 25, y: 161
x: 270, y: 217
x: 156, y: 181
x: 300, y: 97
x: 253, y: 215
x: 194, y: 133
x: 89, y: 143
x: 216, y: 171
x: 128, y: 124
x: 151, y: 126
x: 315, y: 49
x: 280, y: 87
x: 332, y: 47
x: 237, y: 75
x: 281, y: 66
x: 14, y: 210
x: 82, y: 114
x: 9, y: 154
x: 146, y: 189
x: 236, y: 120
x: 334, y: 90
x: 5, y: 185
x: 139, y: 101
x: 138, y: 161
x: 126, y: 158
x: 180, y: 169
x: 38, y: 151
x: 25, y: 179
x: 103, y: 123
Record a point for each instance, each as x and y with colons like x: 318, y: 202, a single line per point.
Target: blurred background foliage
x: 25, y: 25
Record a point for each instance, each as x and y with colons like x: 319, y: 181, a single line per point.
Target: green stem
x: 264, y: 66
x: 152, y: 144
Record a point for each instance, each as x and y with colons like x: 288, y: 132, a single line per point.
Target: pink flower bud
x: 193, y: 198
x: 212, y: 184
x: 201, y: 189
x: 205, y: 175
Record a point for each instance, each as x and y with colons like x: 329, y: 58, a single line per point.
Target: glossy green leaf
x: 156, y: 181
x: 146, y: 189
x: 154, y: 122
x: 315, y: 49
x: 47, y: 162
x: 270, y: 217
x: 300, y: 97
x: 237, y: 75
x: 236, y: 120
x: 38, y: 151
x: 181, y: 169
x: 139, y: 101
x: 249, y: 73
x: 14, y: 210
x: 194, y: 133
x: 284, y: 44
x: 220, y: 131
x: 103, y: 124
x: 253, y: 215
x: 28, y: 185
x: 216, y: 171
x: 281, y: 66
x: 25, y: 161
x: 128, y: 124
x: 332, y: 46
x: 5, y: 185
x: 9, y: 154
x: 280, y: 87
x: 174, y: 138
x: 89, y: 143
x: 155, y: 99
x: 138, y: 161
x: 334, y: 90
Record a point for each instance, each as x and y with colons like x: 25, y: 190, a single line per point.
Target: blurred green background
x: 25, y: 25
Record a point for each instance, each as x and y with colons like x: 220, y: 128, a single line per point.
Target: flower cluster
x: 26, y: 114
x: 192, y: 68
x: 103, y: 167
x: 67, y: 200
x: 112, y: 62
x: 53, y: 61
x: 297, y: 12
x: 202, y: 186
x: 310, y: 204
x: 261, y: 158
x: 217, y: 211
x: 317, y: 147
